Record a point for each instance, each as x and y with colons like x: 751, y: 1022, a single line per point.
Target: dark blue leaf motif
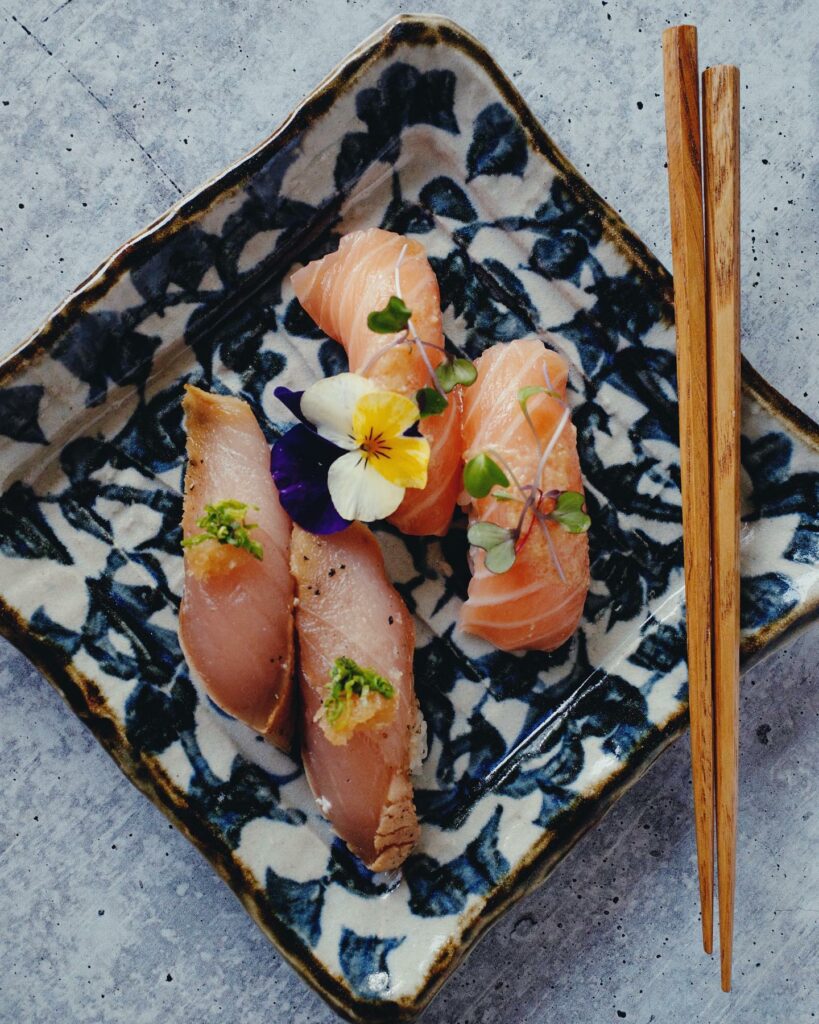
x: 363, y: 960
x: 498, y: 144
x: 356, y: 153
x: 560, y: 256
x: 776, y: 492
x: 24, y: 531
x: 154, y: 718
x: 660, y: 650
x: 804, y: 545
x: 444, y: 197
x: 403, y: 96
x: 437, y: 890
x: 66, y: 639
x: 77, y: 505
x: 404, y: 217
x: 797, y: 494
x: 19, y: 412
x: 332, y: 358
x: 183, y: 261
x: 471, y: 297
x: 481, y: 742
x: 511, y: 291
x: 300, y: 324
x: 346, y: 870
x: 297, y: 904
x: 103, y: 347
x: 595, y: 345
x: 766, y: 459
x: 83, y: 456
x: 626, y: 306
x: 562, y: 210
x: 249, y: 794
x: 764, y: 599
x: 265, y: 209
x: 153, y: 651
x: 154, y: 437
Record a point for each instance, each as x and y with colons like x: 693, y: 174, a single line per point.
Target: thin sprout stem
x: 547, y: 376
x: 547, y: 451
x: 505, y: 465
x: 429, y: 344
x: 402, y: 337
x: 411, y: 327
x: 519, y: 528
x: 531, y: 425
x: 552, y: 549
x: 430, y: 368
x: 398, y: 263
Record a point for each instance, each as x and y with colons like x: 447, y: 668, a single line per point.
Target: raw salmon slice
x: 529, y: 607
x: 347, y: 608
x: 339, y: 292
x: 236, y: 617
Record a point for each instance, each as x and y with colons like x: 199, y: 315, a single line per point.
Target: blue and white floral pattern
x: 423, y: 136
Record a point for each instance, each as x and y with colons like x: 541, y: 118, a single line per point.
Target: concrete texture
x: 108, y: 112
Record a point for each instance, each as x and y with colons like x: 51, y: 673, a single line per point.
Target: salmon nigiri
x: 236, y: 617
x: 360, y: 717
x: 339, y: 291
x: 537, y: 603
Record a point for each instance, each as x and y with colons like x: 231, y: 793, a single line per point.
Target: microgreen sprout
x: 396, y: 318
x: 224, y: 522
x: 487, y: 471
x: 349, y: 680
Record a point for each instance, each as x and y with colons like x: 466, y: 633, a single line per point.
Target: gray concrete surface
x: 108, y: 112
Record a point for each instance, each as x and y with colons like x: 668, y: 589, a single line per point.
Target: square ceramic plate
x: 420, y: 132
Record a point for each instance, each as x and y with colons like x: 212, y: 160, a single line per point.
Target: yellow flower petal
x: 405, y: 462
x: 329, y: 405
x: 384, y: 414
x: 359, y: 492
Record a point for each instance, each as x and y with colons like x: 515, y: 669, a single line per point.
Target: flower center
x: 374, y: 446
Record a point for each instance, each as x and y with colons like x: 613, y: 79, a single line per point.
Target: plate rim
x: 87, y: 702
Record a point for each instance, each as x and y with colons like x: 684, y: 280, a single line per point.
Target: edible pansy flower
x: 350, y: 457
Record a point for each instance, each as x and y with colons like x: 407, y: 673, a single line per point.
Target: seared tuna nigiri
x: 356, y: 641
x: 236, y: 618
x: 537, y: 603
x: 339, y: 291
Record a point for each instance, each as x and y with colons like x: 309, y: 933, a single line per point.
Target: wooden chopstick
x: 681, y: 83
x: 720, y: 104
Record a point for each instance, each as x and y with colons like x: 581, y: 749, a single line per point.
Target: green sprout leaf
x: 430, y: 402
x: 568, y: 512
x: 225, y: 523
x: 501, y: 558
x: 523, y: 401
x: 456, y: 371
x: 393, y: 318
x: 498, y: 543
x: 347, y: 677
x: 481, y: 474
x: 535, y: 389
x: 487, y: 535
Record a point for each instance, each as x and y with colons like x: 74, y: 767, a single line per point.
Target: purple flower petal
x: 291, y: 399
x: 299, y: 463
